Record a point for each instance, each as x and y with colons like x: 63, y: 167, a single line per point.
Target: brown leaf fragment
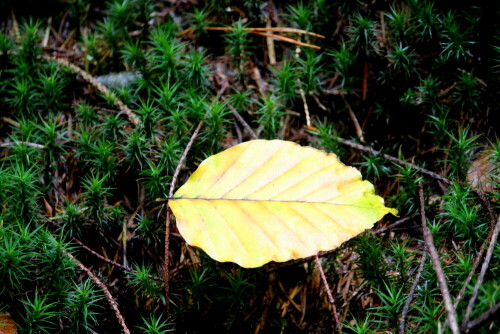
x: 480, y: 173
x: 7, y: 325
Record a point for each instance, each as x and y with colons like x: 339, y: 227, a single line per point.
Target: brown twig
x: 413, y: 287
x: 302, y: 94
x: 338, y: 325
x: 260, y: 32
x: 396, y: 223
x: 114, y: 263
x: 479, y: 255
x: 483, y: 317
x: 393, y: 159
x: 436, y: 263
x: 287, y: 39
x: 166, y: 270
x: 359, y: 131
x: 100, y: 87
x: 108, y: 295
x: 271, y: 52
x: 240, y: 119
x: 480, y: 278
x: 252, y: 30
x: 35, y: 145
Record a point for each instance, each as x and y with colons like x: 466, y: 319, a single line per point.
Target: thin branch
x: 352, y: 115
x: 483, y: 317
x: 393, y: 159
x: 287, y: 39
x: 269, y: 41
x: 484, y: 267
x: 100, y: 87
x: 338, y: 325
x: 7, y: 144
x: 389, y: 227
x: 166, y: 270
x: 436, y: 263
x: 252, y: 30
x: 260, y: 32
x: 240, y: 119
x: 302, y: 94
x: 480, y: 253
x: 412, y: 290
x: 113, y: 263
x: 108, y: 295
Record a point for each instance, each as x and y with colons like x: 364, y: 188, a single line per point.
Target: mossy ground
x: 415, y: 79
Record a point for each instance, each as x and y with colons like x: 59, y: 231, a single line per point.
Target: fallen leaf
x: 7, y: 325
x: 480, y: 173
x: 263, y: 201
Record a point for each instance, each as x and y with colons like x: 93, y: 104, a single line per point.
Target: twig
x: 479, y: 255
x: 114, y: 263
x: 4, y: 144
x: 252, y: 30
x: 269, y: 41
x: 359, y: 131
x: 108, y: 295
x: 10, y: 121
x: 443, y: 286
x: 396, y: 223
x: 240, y: 119
x: 414, y: 285
x: 100, y: 87
x: 302, y: 94
x: 166, y: 270
x: 260, y: 32
x: 338, y: 325
x: 393, y: 159
x: 483, y: 317
x: 287, y: 39
x: 480, y: 278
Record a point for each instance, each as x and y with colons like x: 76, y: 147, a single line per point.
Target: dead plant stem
x: 338, y: 325
x: 104, y: 288
x: 479, y: 255
x: 436, y: 263
x: 97, y: 85
x: 240, y: 119
x: 166, y: 269
x: 393, y: 159
x: 490, y: 313
x: 484, y: 267
x: 412, y: 291
x: 111, y: 262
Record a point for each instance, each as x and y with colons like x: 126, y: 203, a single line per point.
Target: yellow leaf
x: 263, y: 201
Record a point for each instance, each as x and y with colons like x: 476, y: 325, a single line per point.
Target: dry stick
x: 417, y: 278
x: 108, y: 295
x: 393, y: 159
x: 483, y: 317
x: 166, y: 270
x: 479, y: 255
x: 443, y: 286
x: 275, y: 29
x: 258, y: 31
x: 35, y: 145
x: 396, y: 223
x: 303, y: 95
x: 338, y: 325
x: 270, y: 42
x: 287, y: 39
x: 100, y: 87
x: 359, y: 131
x: 480, y: 278
x: 240, y: 119
x: 114, y: 263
